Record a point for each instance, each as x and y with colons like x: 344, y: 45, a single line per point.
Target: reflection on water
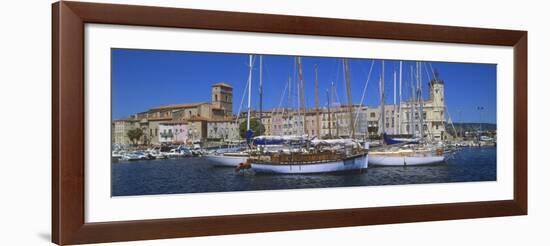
x: 194, y: 175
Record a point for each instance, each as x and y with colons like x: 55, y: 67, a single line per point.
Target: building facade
x: 214, y: 121
x: 404, y: 119
x: 120, y: 130
x: 420, y: 117
x: 222, y: 130
x: 190, y: 116
x: 174, y: 133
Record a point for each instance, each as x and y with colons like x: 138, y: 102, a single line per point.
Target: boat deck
x: 304, y: 158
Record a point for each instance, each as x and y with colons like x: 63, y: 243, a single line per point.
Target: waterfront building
x: 150, y: 128
x: 174, y: 132
x: 278, y: 121
x: 198, y: 129
x: 195, y: 114
x: 120, y: 130
x: 366, y: 119
x: 433, y: 115
x: 223, y: 130
x: 222, y: 100
x: 214, y: 121
x: 268, y: 125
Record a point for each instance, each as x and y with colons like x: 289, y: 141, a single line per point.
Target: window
x: 215, y: 98
x: 372, y: 115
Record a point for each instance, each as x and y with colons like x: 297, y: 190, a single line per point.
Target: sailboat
x: 305, y: 156
x: 406, y: 156
x: 229, y: 159
x: 327, y: 157
x: 233, y: 159
x: 405, y: 151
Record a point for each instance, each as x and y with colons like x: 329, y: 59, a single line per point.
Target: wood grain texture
x: 68, y: 124
x: 268, y: 23
x: 68, y: 19
x: 55, y: 123
x: 520, y: 122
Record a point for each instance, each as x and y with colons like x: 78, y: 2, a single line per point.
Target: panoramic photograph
x: 195, y: 122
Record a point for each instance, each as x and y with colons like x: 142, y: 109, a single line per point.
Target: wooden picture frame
x: 68, y: 110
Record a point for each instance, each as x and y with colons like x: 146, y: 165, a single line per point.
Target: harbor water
x: 195, y: 175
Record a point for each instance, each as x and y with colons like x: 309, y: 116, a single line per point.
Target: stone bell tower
x: 222, y: 97
x: 437, y: 115
x: 437, y: 91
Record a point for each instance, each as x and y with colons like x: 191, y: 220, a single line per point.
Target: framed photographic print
x: 175, y: 122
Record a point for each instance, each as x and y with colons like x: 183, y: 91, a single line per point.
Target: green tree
x: 134, y: 134
x: 255, y: 125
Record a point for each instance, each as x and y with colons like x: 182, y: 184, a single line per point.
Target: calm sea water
x: 192, y: 175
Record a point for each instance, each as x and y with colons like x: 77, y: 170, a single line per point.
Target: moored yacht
x: 406, y: 156
x: 324, y: 156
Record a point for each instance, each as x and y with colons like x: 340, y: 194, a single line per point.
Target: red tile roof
x: 174, y: 122
x: 178, y: 106
x: 197, y: 118
x: 223, y: 84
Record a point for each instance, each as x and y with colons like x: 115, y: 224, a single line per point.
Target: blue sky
x: 142, y: 79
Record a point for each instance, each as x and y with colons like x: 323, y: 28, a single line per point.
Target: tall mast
x: 329, y: 118
x: 298, y: 111
x: 394, y: 117
x: 382, y: 106
x: 261, y: 90
x: 420, y: 100
x: 335, y: 118
x: 289, y: 96
x: 301, y: 95
x: 348, y: 85
x: 288, y: 113
x: 413, y: 104
x: 249, y: 90
x: 317, y: 104
x: 400, y: 98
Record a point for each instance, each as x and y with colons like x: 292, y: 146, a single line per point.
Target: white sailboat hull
x: 225, y: 161
x: 356, y: 163
x: 381, y: 160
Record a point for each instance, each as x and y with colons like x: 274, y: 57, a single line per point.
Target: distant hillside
x: 468, y: 127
